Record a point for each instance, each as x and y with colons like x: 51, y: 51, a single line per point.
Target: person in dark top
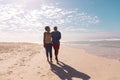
x: 56, y: 36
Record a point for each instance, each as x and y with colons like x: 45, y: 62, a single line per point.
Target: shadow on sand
x: 65, y: 72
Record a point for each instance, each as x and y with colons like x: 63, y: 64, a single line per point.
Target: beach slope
x: 27, y: 61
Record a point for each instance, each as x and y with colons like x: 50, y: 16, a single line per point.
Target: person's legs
x: 56, y: 50
x: 47, y: 50
x: 56, y: 54
x: 50, y: 52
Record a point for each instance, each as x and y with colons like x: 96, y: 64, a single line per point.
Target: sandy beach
x: 27, y: 61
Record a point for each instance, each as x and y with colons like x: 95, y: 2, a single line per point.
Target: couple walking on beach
x: 51, y: 39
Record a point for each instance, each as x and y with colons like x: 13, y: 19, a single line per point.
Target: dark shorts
x: 56, y: 46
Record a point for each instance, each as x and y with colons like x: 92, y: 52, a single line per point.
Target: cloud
x: 73, y: 29
x: 17, y: 18
x: 1, y: 0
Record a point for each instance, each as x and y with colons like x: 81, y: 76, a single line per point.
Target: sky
x: 77, y: 20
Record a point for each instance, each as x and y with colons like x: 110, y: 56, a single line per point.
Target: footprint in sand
x: 21, y: 77
x: 9, y: 72
x: 15, y: 64
x: 10, y: 67
x: 1, y: 59
x: 22, y: 65
x: 38, y: 72
x: 42, y: 75
x: 38, y: 67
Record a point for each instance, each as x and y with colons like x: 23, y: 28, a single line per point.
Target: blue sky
x: 24, y: 20
x: 107, y: 11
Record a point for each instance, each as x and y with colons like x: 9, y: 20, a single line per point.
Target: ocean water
x: 108, y: 49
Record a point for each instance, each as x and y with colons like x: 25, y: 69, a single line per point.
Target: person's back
x: 56, y: 36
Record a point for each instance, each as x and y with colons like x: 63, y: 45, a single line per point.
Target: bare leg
x: 56, y: 55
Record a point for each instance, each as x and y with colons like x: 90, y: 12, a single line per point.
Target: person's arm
x: 59, y: 35
x: 44, y: 39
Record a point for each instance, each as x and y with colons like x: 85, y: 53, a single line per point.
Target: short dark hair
x: 46, y: 27
x: 55, y: 27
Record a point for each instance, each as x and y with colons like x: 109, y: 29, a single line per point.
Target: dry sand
x: 27, y: 61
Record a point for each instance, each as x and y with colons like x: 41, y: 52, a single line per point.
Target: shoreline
x: 91, y: 52
x: 98, y: 51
